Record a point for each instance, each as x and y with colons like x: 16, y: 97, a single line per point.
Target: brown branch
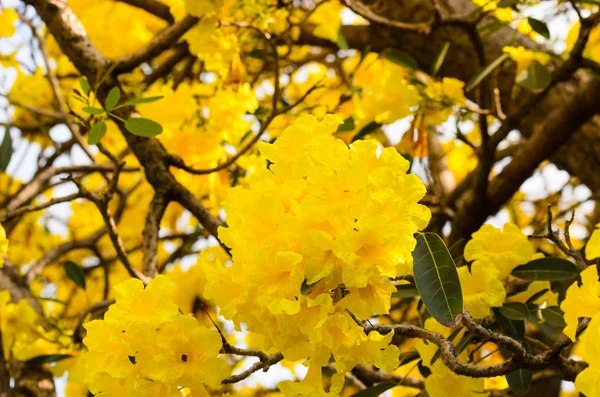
x: 264, y: 365
x: 7, y: 216
x: 157, y: 208
x: 161, y: 42
x: 153, y: 7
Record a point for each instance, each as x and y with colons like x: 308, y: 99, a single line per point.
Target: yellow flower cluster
x: 494, y: 253
x: 584, y: 301
x: 316, y: 238
x: 442, y: 97
x: 23, y: 334
x: 145, y: 347
x: 386, y: 95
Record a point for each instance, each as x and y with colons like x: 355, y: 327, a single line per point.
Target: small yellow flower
x: 187, y: 355
x: 481, y: 288
x: 137, y: 306
x: 592, y: 248
x: 504, y: 249
x: 581, y: 301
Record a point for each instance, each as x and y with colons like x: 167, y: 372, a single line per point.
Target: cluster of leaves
x: 139, y: 126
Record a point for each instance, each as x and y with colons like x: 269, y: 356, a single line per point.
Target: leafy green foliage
x: 348, y: 125
x: 539, y: 27
x: 97, y: 132
x: 75, y: 273
x: 536, y: 77
x: 366, y: 130
x: 48, y: 358
x: 515, y: 311
x: 437, y: 279
x: 401, y: 58
x: 112, y: 99
x: 554, y: 315
x: 519, y: 381
x: 512, y: 328
x: 439, y: 58
x: 478, y: 78
x: 6, y: 150
x: 546, y: 269
x: 143, y: 127
x: 405, y: 291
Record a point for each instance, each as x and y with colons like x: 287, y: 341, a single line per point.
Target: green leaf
x: 537, y: 295
x: 75, y: 273
x: 112, y: 99
x: 342, y: 43
x: 6, y: 150
x: 536, y: 77
x: 437, y: 279
x: 539, y: 27
x: 546, y: 269
x: 139, y: 101
x: 96, y: 133
x: 405, y: 291
x: 554, y: 315
x: 519, y: 381
x: 366, y: 130
x: 347, y: 126
x: 478, y: 78
x: 439, y: 58
x: 306, y: 288
x: 401, y: 58
x: 92, y: 110
x: 515, y: 310
x: 48, y: 358
x: 143, y: 127
x: 463, y: 343
x: 513, y: 328
x: 85, y: 87
x: 376, y: 390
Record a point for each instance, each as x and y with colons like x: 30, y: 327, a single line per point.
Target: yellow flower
x: 592, y: 248
x: 588, y: 381
x: 109, y: 349
x: 581, y: 301
x: 444, y: 383
x: 592, y: 47
x: 328, y: 20
x: 504, y: 249
x: 481, y: 288
x: 8, y: 17
x: 187, y: 355
x: 524, y: 57
x: 442, y: 97
x: 3, y: 245
x: 137, y: 306
x: 549, y: 298
x: 16, y: 321
x: 201, y: 8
